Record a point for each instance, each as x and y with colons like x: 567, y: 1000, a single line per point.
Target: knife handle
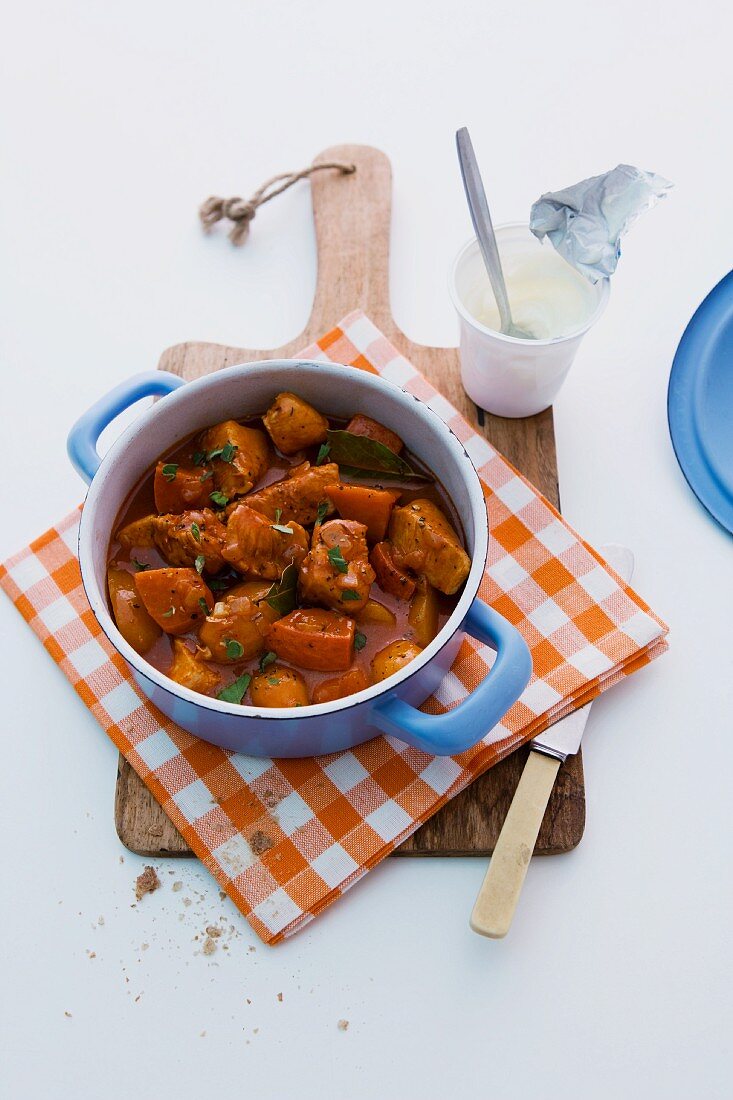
x: 497, y: 899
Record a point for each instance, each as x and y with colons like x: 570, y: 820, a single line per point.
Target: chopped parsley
x: 359, y: 641
x: 349, y: 594
x: 267, y: 659
x: 200, y: 563
x: 140, y: 566
x: 234, y: 649
x: 169, y: 471
x: 204, y: 606
x: 322, y: 453
x: 196, y: 532
x: 283, y: 530
x: 199, y: 458
x: 216, y: 585
x: 273, y: 681
x: 220, y: 499
x: 206, y: 475
x: 167, y: 614
x: 236, y: 691
x: 322, y: 511
x: 337, y: 559
x: 225, y: 453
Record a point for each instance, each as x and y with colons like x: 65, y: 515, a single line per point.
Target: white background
x: 118, y: 119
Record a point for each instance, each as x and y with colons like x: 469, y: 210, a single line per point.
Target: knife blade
x: 497, y: 899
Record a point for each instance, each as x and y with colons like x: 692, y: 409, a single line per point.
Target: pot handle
x: 82, y: 442
x: 460, y: 728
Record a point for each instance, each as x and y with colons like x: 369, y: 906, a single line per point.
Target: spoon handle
x: 481, y: 218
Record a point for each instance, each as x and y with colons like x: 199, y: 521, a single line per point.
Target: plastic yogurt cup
x: 504, y: 375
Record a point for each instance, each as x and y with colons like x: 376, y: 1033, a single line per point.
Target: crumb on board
x: 176, y: 887
x: 147, y: 882
x: 343, y: 1025
x: 209, y: 946
x: 279, y: 996
x: 213, y: 931
x: 68, y: 1015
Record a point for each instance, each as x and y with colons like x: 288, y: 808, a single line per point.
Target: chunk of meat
x: 180, y: 487
x: 294, y: 424
x: 390, y: 577
x: 278, y: 686
x: 298, y: 495
x: 372, y: 507
x: 238, y: 455
x: 256, y: 547
x: 180, y: 538
x: 133, y: 621
x: 424, y: 613
x: 314, y: 638
x: 364, y: 425
x: 340, y: 686
x: 184, y: 538
x: 139, y: 533
x: 336, y: 572
x: 178, y: 599
x: 423, y: 540
x: 392, y: 658
x: 236, y: 628
x: 187, y: 669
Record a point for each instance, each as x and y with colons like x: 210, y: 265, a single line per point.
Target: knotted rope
x: 241, y: 211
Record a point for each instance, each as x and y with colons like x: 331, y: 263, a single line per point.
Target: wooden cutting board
x: 352, y: 220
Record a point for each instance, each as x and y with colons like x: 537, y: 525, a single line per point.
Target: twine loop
x: 240, y: 212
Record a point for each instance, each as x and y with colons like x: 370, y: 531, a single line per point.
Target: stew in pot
x: 286, y: 560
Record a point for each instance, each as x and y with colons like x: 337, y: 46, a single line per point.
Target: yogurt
x: 549, y: 299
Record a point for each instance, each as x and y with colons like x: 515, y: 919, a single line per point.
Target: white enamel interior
x: 247, y: 390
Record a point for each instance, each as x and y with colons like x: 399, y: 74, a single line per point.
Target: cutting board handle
x: 352, y: 217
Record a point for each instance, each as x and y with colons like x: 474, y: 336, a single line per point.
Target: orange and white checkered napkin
x: 285, y: 838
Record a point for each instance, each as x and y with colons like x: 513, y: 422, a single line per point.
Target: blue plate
x: 700, y: 403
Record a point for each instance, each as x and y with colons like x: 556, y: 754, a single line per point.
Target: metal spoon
x: 481, y: 219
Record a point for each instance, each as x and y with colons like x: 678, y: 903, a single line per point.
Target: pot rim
x: 188, y: 392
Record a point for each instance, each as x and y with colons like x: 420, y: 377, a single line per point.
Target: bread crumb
x: 343, y: 1025
x: 260, y: 842
x: 279, y: 996
x: 146, y: 883
x: 100, y: 921
x: 213, y: 931
x: 176, y: 887
x: 187, y: 901
x: 68, y: 1015
x: 144, y: 946
x: 222, y: 895
x: 209, y: 946
x: 202, y: 1035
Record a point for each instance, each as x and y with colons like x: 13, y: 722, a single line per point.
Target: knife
x: 497, y: 899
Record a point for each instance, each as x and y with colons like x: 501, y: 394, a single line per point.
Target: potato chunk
x: 392, y: 658
x: 238, y: 455
x: 187, y: 669
x: 294, y: 424
x: 372, y: 429
x: 297, y: 496
x: 236, y: 628
x: 336, y: 572
x: 424, y: 541
x: 340, y: 686
x: 179, y: 488
x: 278, y: 686
x: 314, y: 638
x: 375, y: 612
x: 178, y: 599
x: 424, y: 613
x: 133, y: 621
x: 256, y: 547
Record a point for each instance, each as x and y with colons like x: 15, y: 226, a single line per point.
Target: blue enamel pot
x: 388, y: 707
